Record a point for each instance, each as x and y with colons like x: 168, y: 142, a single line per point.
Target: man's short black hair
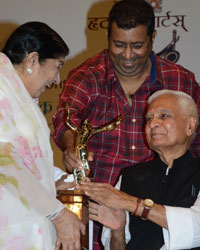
x: 129, y: 14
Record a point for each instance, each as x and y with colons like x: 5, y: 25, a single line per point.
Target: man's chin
x: 127, y: 72
x: 154, y: 145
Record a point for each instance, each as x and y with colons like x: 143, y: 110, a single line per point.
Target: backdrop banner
x: 83, y: 25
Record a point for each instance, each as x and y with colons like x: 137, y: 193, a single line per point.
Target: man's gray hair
x: 187, y: 104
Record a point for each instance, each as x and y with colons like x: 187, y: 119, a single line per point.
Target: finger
x: 68, y: 161
x: 63, y: 178
x: 93, y: 217
x: 97, y: 200
x: 89, y: 184
x: 90, y: 156
x: 82, y: 228
x: 77, y: 245
x: 70, y: 157
x: 71, y: 247
x: 58, y: 244
x: 74, y: 158
x: 65, y: 185
x: 88, y: 193
x: 93, y: 211
x: 77, y: 187
x: 95, y: 185
x: 88, y: 180
x: 70, y: 164
x: 68, y: 246
x: 67, y: 166
x: 69, y: 184
x: 94, y: 205
x: 82, y: 188
x: 92, y: 194
x: 86, y: 186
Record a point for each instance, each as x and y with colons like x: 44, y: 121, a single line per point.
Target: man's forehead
x: 159, y: 109
x: 163, y: 103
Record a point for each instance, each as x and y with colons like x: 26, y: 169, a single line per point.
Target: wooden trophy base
x: 77, y: 203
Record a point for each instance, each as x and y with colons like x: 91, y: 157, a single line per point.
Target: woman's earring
x: 30, y: 71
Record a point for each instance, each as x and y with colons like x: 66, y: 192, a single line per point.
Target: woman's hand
x: 68, y: 230
x: 62, y: 185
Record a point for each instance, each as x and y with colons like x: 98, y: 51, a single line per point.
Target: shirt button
x: 133, y: 147
x: 133, y: 120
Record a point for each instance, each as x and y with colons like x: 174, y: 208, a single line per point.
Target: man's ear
x: 154, y: 36
x: 191, y: 125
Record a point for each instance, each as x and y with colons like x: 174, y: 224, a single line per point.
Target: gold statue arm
x: 108, y: 127
x: 73, y: 128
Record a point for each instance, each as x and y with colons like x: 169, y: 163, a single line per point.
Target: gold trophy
x: 82, y: 136
x: 75, y: 200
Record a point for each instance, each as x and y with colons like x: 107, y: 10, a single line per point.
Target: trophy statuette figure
x: 82, y: 136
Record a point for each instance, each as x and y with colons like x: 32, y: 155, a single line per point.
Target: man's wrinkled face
x: 129, y: 49
x: 166, y: 126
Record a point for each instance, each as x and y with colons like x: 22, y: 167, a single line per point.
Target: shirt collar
x: 155, y: 74
x: 177, y: 163
x: 153, y: 69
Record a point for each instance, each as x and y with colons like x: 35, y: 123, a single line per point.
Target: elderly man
x: 162, y: 195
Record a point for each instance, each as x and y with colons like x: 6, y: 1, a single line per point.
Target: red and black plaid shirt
x: 93, y: 91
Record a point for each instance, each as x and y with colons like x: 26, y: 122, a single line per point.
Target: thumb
x: 90, y: 156
x: 82, y: 228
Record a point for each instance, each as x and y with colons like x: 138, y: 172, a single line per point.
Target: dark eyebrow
x: 148, y: 114
x: 118, y: 41
x: 165, y: 110
x: 160, y: 111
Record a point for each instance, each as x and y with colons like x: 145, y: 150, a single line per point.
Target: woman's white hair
x: 187, y: 104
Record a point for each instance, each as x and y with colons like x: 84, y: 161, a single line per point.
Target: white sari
x: 27, y: 189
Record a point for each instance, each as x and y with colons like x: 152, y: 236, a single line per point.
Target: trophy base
x: 77, y: 202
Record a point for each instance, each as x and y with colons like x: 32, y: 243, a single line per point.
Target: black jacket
x: 179, y: 188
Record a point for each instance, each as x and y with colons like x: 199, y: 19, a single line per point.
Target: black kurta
x: 179, y: 188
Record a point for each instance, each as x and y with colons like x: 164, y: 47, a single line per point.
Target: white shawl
x: 27, y: 189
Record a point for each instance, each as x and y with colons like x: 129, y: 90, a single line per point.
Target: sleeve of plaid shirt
x: 76, y: 95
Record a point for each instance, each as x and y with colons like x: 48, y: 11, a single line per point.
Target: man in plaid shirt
x: 115, y: 82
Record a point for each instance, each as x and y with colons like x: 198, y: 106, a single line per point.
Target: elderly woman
x: 29, y: 63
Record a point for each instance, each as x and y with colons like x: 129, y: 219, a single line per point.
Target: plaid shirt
x: 93, y: 91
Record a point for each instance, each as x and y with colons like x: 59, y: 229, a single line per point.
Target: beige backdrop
x: 82, y: 24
